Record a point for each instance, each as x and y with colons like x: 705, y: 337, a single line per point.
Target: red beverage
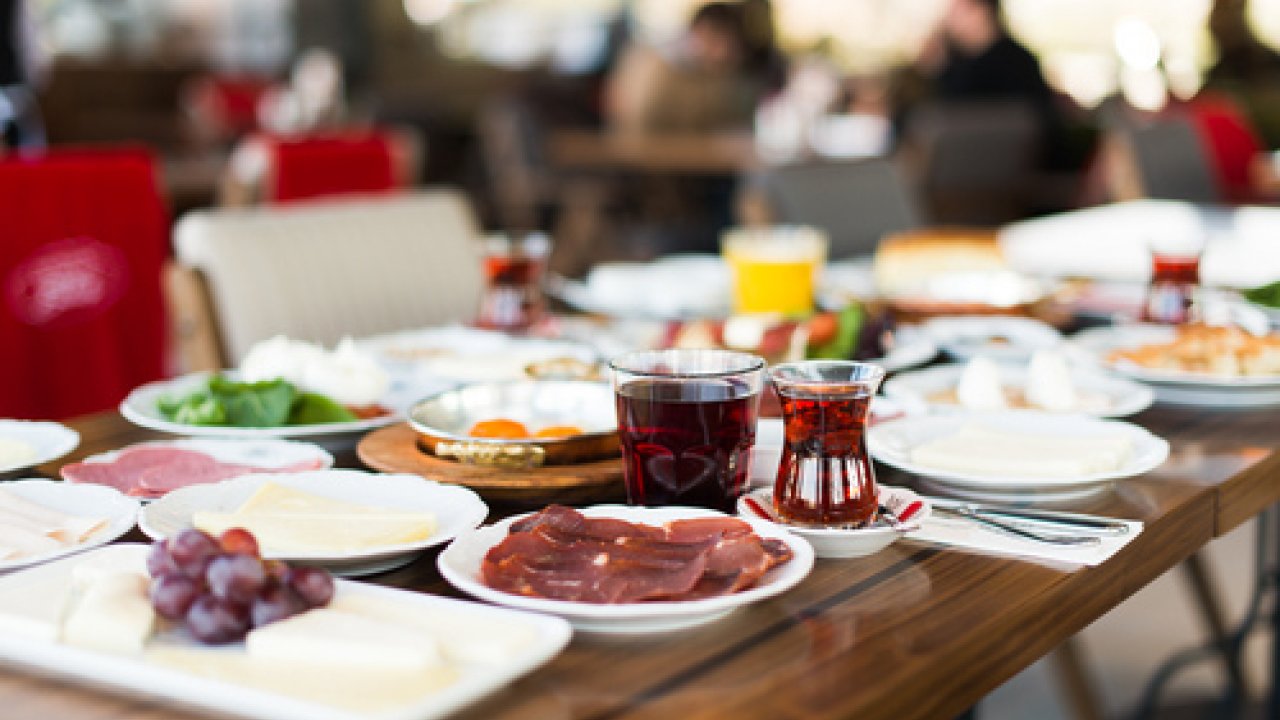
x: 513, y: 296
x: 825, y: 477
x: 687, y: 441
x: 1174, y: 280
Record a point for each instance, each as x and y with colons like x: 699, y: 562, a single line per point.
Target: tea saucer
x: 840, y: 543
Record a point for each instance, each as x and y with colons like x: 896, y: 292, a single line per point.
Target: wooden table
x: 912, y: 632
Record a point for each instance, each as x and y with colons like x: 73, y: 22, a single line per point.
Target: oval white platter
x: 891, y: 443
x: 481, y: 668
x: 48, y: 440
x: 460, y: 565
x: 119, y: 512
x: 847, y: 543
x: 456, y: 508
x: 269, y: 454
x: 141, y: 408
x: 1118, y: 397
x: 1094, y: 344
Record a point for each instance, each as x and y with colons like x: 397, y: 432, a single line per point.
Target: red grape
x: 276, y: 570
x: 172, y: 595
x: 276, y: 603
x: 238, y: 578
x: 191, y: 551
x: 238, y: 541
x: 215, y: 621
x: 313, y: 585
x: 159, y: 561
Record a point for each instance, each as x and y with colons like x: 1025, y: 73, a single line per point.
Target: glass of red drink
x: 687, y: 421
x: 513, y: 269
x: 825, y: 478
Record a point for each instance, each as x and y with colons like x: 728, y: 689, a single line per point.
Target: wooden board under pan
x: 395, y: 449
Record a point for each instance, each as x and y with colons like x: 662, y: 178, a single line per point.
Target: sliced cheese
x: 276, y: 498
x: 284, y: 533
x: 112, y: 615
x: 63, y: 527
x: 463, y: 637
x: 33, y: 606
x: 978, y: 450
x: 18, y: 542
x: 332, y: 637
x: 287, y: 520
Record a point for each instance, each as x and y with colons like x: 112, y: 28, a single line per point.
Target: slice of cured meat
x: 152, y: 471
x: 561, y: 554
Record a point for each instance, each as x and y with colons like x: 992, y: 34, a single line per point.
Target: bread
x: 907, y: 263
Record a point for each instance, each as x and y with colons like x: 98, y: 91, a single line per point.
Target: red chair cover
x: 231, y: 101
x: 81, y: 312
x: 1231, y: 141
x: 330, y: 165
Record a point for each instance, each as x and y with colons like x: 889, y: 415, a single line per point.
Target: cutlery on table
x: 1018, y: 530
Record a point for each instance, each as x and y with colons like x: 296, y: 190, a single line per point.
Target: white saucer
x: 840, y: 543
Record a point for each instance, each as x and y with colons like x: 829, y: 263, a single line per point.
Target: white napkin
x: 971, y: 535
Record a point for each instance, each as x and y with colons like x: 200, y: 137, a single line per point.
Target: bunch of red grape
x: 222, y: 588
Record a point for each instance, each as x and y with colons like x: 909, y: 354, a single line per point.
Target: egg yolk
x: 499, y: 428
x: 558, y: 431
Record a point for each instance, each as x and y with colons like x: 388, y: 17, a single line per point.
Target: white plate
x: 891, y: 443
x: 1095, y: 344
x: 456, y: 508
x: 269, y: 455
x: 140, y: 408
x: 833, y: 543
x: 50, y: 441
x: 460, y: 565
x: 1116, y: 397
x: 138, y: 675
x: 996, y: 337
x: 94, y: 501
x: 911, y: 348
x: 677, y: 287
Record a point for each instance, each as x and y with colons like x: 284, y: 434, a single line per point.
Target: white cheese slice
x: 286, y: 520
x: 284, y: 534
x: 463, y: 637
x: 33, y: 605
x: 113, y: 614
x: 978, y: 450
x: 331, y: 637
x: 18, y: 542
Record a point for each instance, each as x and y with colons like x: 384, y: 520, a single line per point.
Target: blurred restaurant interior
x: 182, y: 180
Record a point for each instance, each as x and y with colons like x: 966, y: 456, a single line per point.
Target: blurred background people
x: 972, y: 57
x: 712, y: 81
x: 20, y: 126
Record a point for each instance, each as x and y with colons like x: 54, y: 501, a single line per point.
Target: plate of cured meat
x: 150, y: 470
x: 627, y: 570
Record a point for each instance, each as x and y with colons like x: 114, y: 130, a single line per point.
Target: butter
x: 979, y: 387
x: 113, y: 614
x: 1049, y: 383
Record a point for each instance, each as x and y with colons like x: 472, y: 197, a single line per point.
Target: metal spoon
x: 1050, y: 538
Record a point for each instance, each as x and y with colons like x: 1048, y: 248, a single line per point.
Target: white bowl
x: 50, y: 441
x: 94, y: 501
x: 840, y: 543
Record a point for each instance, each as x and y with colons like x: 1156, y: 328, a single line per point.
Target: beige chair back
x: 319, y: 271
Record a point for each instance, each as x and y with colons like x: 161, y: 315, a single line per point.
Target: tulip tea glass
x: 687, y: 421
x: 825, y: 478
x: 513, y: 269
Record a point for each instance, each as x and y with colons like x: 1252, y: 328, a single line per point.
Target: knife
x: 1103, y: 525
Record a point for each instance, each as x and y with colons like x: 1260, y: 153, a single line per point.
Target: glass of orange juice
x: 775, y: 269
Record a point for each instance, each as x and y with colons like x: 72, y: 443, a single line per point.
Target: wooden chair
x: 319, y: 271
